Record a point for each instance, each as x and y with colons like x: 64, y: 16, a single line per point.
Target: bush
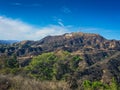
x: 97, y: 85
x: 41, y: 66
x: 12, y: 62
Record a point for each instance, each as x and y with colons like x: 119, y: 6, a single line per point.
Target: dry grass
x: 21, y: 83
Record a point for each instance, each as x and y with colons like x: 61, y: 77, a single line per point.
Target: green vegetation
x: 97, y: 85
x: 12, y: 62
x: 41, y: 66
x: 94, y: 85
x: 9, y: 65
x: 59, y: 67
x: 49, y: 66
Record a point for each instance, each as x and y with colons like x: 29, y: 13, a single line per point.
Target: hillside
x: 78, y: 59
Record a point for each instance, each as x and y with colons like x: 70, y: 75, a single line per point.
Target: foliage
x: 114, y: 85
x: 97, y: 85
x: 12, y: 62
x: 9, y: 65
x: 53, y: 66
x: 74, y: 62
x: 49, y: 66
x: 41, y: 66
x: 3, y: 61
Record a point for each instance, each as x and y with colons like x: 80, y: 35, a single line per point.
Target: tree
x: 12, y: 62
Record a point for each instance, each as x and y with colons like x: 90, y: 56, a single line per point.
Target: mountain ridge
x: 72, y: 42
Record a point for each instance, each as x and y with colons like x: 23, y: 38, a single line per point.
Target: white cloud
x: 15, y: 29
x: 26, y: 5
x: 11, y: 29
x: 66, y: 10
x: 59, y: 21
x: 61, y: 24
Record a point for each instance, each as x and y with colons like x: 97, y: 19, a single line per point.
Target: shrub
x: 97, y: 85
x: 12, y: 62
x: 41, y: 66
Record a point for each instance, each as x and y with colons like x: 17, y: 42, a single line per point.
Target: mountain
x: 78, y: 41
x: 72, y: 42
x: 8, y: 41
x: 100, y: 57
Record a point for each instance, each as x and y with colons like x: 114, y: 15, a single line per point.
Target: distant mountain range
x: 8, y: 41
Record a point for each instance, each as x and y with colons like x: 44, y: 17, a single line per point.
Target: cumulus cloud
x: 14, y: 29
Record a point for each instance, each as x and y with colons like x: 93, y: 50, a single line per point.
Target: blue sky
x: 34, y: 19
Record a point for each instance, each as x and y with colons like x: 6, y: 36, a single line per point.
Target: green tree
x: 41, y: 66
x: 12, y: 62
